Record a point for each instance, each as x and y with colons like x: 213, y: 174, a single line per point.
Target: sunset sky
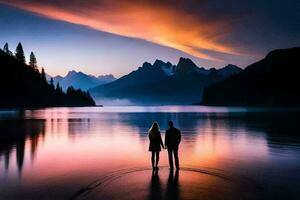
x: 107, y: 36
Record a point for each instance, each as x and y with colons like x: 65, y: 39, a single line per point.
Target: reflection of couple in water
x: 172, y: 191
x: 172, y: 141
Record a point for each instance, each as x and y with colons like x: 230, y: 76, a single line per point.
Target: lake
x: 102, y: 153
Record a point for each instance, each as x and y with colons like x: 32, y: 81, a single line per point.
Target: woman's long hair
x: 154, y: 130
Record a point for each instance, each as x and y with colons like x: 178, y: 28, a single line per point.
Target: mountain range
x: 272, y: 81
x: 164, y: 83
x: 80, y: 80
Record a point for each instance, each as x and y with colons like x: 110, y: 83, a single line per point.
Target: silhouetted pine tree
x: 6, y: 49
x: 33, y: 62
x: 43, y: 75
x: 88, y: 95
x: 70, y: 90
x: 20, y: 53
x: 52, y: 83
x: 58, y: 89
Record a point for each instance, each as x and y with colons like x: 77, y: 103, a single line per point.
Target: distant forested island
x: 24, y: 85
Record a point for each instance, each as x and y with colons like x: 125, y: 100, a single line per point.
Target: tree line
x: 18, y: 76
x: 20, y: 56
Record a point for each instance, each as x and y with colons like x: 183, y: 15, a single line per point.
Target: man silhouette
x: 172, y: 141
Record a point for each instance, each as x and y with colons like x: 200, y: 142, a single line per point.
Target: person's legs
x: 157, y: 159
x: 152, y: 158
x: 176, y: 158
x: 170, y: 158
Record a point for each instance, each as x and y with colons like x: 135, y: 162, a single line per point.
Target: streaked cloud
x: 169, y: 23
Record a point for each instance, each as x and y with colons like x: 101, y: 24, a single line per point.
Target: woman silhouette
x: 155, y: 144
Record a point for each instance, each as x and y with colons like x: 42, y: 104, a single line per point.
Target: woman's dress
x: 155, y: 142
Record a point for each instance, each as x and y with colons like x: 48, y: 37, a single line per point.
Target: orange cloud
x: 160, y: 24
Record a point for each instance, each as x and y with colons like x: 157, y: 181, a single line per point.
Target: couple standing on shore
x: 172, y: 141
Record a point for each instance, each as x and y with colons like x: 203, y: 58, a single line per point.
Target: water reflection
x: 208, y: 135
x: 170, y: 190
x: 173, y: 191
x: 14, y: 135
x: 53, y: 148
x: 155, y: 189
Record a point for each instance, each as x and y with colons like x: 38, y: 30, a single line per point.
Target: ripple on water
x: 187, y: 183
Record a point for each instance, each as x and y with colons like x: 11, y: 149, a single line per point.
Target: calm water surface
x: 101, y: 153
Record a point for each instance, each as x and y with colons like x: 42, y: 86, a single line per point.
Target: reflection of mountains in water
x: 14, y: 135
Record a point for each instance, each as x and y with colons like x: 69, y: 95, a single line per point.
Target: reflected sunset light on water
x: 61, y: 146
